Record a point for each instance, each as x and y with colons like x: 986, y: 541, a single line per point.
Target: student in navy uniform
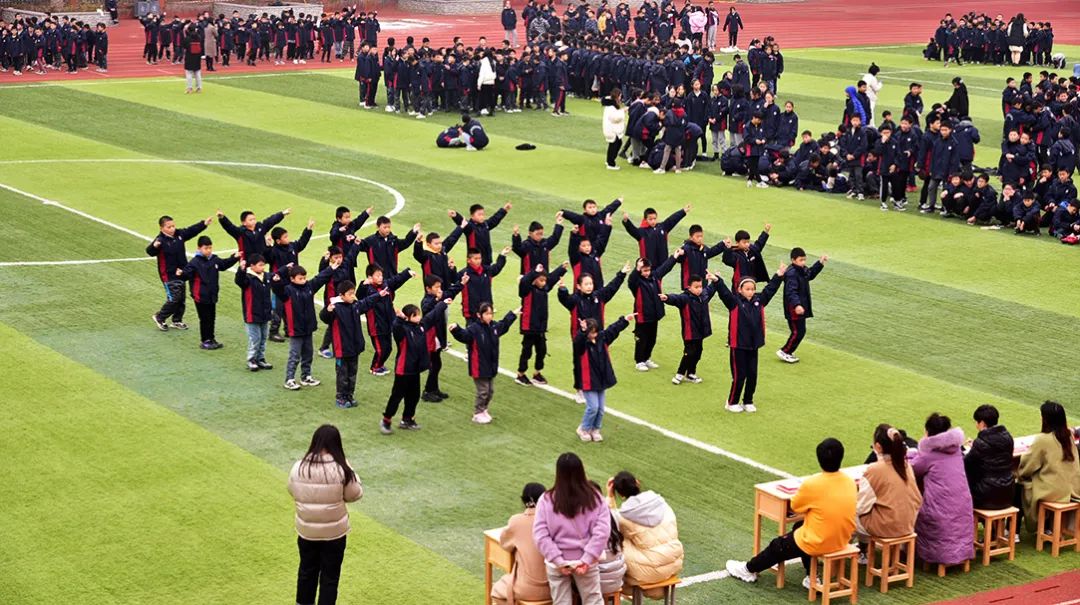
x: 250, y: 236
x: 588, y: 302
x: 745, y: 257
x: 478, y: 138
x: 586, y: 259
x: 383, y: 247
x: 342, y: 316
x: 297, y: 294
x: 732, y: 24
x: 853, y: 147
x: 431, y: 251
x: 693, y: 305
x: 644, y: 283
x: 254, y: 282
x: 345, y: 272
x: 478, y: 228
x: 594, y: 373
x: 754, y: 140
x: 696, y: 255
x: 101, y: 49
x: 409, y: 330
x: 533, y: 288
x: 652, y: 237
x: 482, y: 338
x: 536, y: 249
x: 746, y: 334
x: 202, y: 273
x: 343, y: 231
x: 380, y: 318
x: 943, y: 161
x: 168, y: 247
x: 436, y: 332
x: 478, y: 289
x: 592, y: 222
x: 797, y: 304
x: 282, y: 253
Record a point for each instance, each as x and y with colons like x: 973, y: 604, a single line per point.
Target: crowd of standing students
x: 980, y: 39
x: 30, y: 45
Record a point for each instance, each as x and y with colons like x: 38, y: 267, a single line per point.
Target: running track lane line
x: 696, y: 443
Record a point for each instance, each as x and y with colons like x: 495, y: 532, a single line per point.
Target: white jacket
x: 614, y: 123
x: 487, y: 72
x: 651, y: 546
x: 873, y: 85
x: 321, y: 497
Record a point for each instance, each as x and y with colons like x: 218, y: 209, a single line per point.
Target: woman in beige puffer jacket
x: 651, y: 545
x: 321, y: 483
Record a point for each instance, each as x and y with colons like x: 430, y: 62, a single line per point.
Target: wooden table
x: 494, y: 556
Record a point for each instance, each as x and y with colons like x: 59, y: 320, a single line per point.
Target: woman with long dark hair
x: 572, y: 529
x: 193, y: 54
x: 889, y: 496
x: 1050, y: 470
x: 322, y: 483
x: 614, y: 124
x: 485, y: 81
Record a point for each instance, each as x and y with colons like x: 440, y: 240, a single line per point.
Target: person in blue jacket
x: 509, y: 23
x: 797, y: 305
x: 746, y: 334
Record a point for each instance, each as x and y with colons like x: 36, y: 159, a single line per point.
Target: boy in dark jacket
x: 592, y: 222
x: 478, y: 289
x: 754, y: 140
x: 250, y: 236
x: 342, y: 316
x: 644, y: 283
x: 745, y: 257
x: 797, y: 305
x: 482, y: 338
x: 693, y: 305
x: 536, y: 249
x: 382, y: 247
x: 280, y: 254
x: 593, y: 371
x: 380, y: 318
x: 431, y: 252
x: 202, y: 273
x: 168, y: 247
x: 436, y: 332
x: 696, y: 255
x: 533, y: 288
x: 746, y: 334
x: 478, y: 228
x: 410, y: 328
x: 254, y: 283
x: 988, y: 462
x: 652, y: 236
x: 298, y: 309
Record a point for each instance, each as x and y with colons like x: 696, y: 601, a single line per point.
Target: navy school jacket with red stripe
x: 413, y: 356
x: 590, y: 226
x: 478, y: 290
x: 483, y: 342
x: 646, y: 292
x: 202, y: 274
x: 534, y: 253
x: 797, y: 289
x: 436, y: 332
x: 383, y: 251
x: 380, y: 317
x: 694, y: 312
x: 345, y: 271
x: 298, y: 302
x: 653, y: 241
x: 592, y: 361
x: 746, y: 318
x: 171, y: 254
x: 748, y: 262
x: 344, y: 324
x: 478, y: 235
x: 437, y: 264
x: 339, y: 234
x: 278, y: 256
x: 534, y: 301
x: 695, y: 259
x: 251, y: 241
x: 589, y: 263
x: 254, y: 296
x: 589, y: 306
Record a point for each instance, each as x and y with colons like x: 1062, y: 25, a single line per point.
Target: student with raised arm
x: 592, y: 222
x: 477, y: 228
x: 533, y: 288
x: 250, y: 236
x: 482, y: 337
x: 593, y: 371
x: 383, y: 246
x: 536, y: 249
x: 652, y: 236
x: 746, y: 334
x: 693, y: 305
x: 432, y: 252
x: 797, y: 305
x: 745, y: 257
x: 169, y: 248
x: 342, y: 315
x: 410, y: 333
x: 644, y: 283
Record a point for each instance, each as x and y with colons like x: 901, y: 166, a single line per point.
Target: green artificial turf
x: 915, y: 315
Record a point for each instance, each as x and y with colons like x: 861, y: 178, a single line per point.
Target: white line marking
x: 49, y: 202
x: 712, y: 576
x: 1072, y: 602
x: 170, y: 80
x: 53, y: 263
x: 849, y: 48
x: 949, y: 84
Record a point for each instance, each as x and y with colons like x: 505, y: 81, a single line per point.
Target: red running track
x: 812, y: 23
x: 1062, y: 589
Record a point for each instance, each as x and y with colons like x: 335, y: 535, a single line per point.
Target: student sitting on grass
x: 1050, y: 470
x: 651, y: 545
x: 946, y: 523
x: 827, y: 503
x: 889, y: 497
x: 988, y: 462
x: 528, y: 580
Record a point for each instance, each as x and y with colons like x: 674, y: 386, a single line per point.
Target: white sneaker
x: 652, y: 364
x: 861, y: 197
x: 470, y: 148
x: 611, y: 167
x: 389, y: 109
x: 694, y: 378
x: 641, y: 367
x: 583, y: 434
x: 596, y: 436
x: 749, y: 407
x: 806, y: 582
x: 659, y: 171
x: 421, y: 116
x: 677, y: 379
x: 481, y: 418
x: 483, y: 112
x: 291, y: 385
x: 310, y: 381
x: 784, y: 356
x: 862, y: 559
x: 762, y: 185
x: 738, y: 569
x: 749, y: 184
x: 412, y: 113
x: 734, y: 408
x: 296, y: 61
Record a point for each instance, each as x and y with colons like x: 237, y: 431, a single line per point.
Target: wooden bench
x: 942, y: 567
x: 846, y: 583
x: 1057, y: 535
x: 892, y: 568
x: 996, y: 524
x: 613, y: 598
x: 637, y: 593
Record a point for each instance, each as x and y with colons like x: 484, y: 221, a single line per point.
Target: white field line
x: 850, y: 48
x: 55, y: 263
x: 985, y: 88
x: 138, y: 80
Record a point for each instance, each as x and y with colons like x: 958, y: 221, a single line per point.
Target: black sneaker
x: 385, y: 428
x: 160, y: 324
x: 443, y: 395
x: 263, y: 365
x: 408, y: 425
x: 215, y: 345
x: 523, y: 380
x: 179, y: 325
x: 254, y: 367
x: 430, y: 397
x: 276, y: 338
x: 538, y: 378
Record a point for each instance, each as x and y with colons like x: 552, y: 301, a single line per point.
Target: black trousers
x: 798, y: 331
x: 752, y: 172
x: 431, y: 385
x: 743, y: 375
x: 320, y: 568
x: 613, y: 150
x: 732, y: 37
x: 346, y: 369
x: 407, y: 388
x: 531, y: 341
x: 691, y: 355
x: 382, y: 345
x: 779, y: 550
x: 644, y: 340
x: 487, y: 98
x: 207, y: 316
x: 175, y: 299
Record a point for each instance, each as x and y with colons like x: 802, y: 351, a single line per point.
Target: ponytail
x: 892, y: 444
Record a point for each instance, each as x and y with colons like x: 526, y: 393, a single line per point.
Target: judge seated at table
x: 827, y: 502
x: 651, y: 543
x: 1050, y: 470
x: 528, y: 580
x: 889, y: 496
x: 988, y: 462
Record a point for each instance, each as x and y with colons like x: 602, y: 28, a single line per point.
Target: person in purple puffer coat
x: 946, y: 524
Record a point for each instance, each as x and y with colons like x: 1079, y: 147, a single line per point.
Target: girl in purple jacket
x: 946, y: 523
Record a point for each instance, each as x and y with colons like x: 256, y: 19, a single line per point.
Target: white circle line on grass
x: 399, y: 199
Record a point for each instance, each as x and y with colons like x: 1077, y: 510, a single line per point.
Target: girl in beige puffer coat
x: 651, y: 545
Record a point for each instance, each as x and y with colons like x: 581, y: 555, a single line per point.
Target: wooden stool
x: 846, y: 585
x: 637, y: 593
x: 521, y: 602
x: 1057, y: 538
x: 995, y: 525
x: 892, y: 568
x: 941, y: 567
x: 613, y: 598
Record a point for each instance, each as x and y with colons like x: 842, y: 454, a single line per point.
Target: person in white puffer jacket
x: 614, y: 124
x: 651, y: 546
